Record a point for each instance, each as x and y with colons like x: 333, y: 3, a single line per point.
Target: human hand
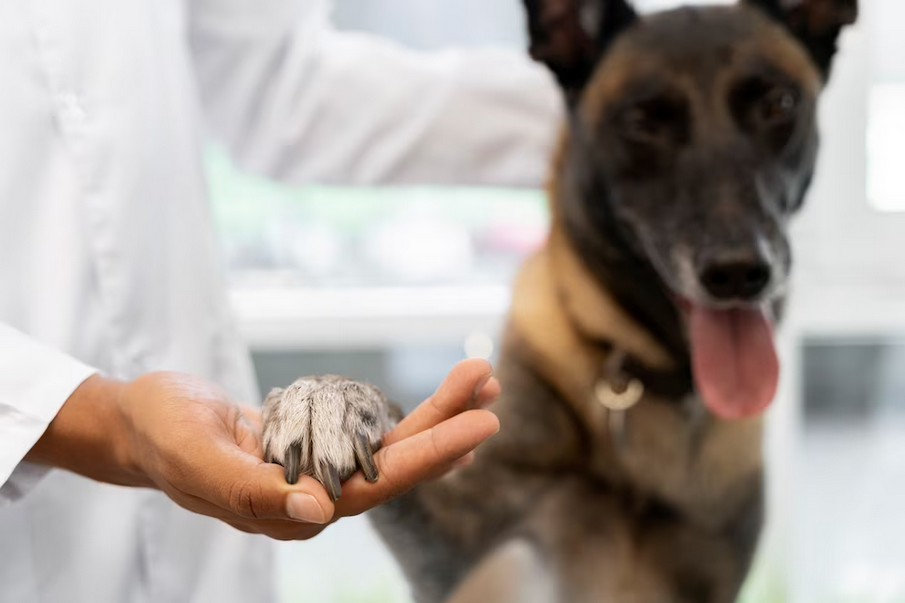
x: 182, y: 435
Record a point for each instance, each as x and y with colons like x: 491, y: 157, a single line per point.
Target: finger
x: 274, y: 528
x: 406, y: 463
x: 442, y: 470
x: 224, y: 475
x: 458, y: 392
x: 468, y: 459
x: 489, y: 393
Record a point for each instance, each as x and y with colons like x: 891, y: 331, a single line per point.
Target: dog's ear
x: 571, y: 35
x: 816, y: 23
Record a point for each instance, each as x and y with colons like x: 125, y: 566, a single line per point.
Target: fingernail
x: 304, y: 507
x: 481, y: 383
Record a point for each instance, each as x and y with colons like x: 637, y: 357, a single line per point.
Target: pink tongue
x: 734, y: 360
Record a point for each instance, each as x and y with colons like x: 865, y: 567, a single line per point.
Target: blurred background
x: 393, y: 285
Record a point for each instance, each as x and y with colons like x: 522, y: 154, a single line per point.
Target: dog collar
x: 623, y: 384
x: 624, y: 380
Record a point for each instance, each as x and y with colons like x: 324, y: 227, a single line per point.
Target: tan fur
x: 623, y: 65
x: 703, y: 472
x: 515, y: 572
x: 571, y: 299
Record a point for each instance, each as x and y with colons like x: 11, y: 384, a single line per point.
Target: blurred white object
x: 479, y: 345
x: 418, y: 249
x: 108, y: 253
x: 656, y: 5
x: 314, y: 248
x: 886, y: 147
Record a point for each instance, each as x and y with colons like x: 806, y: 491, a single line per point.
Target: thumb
x: 247, y: 487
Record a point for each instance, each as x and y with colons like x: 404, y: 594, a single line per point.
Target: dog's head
x: 692, y: 140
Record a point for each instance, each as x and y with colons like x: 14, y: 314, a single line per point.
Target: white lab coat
x: 107, y: 256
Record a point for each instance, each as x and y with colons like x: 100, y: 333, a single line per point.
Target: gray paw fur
x: 326, y: 427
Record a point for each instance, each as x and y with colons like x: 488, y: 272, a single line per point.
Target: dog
x: 638, y: 356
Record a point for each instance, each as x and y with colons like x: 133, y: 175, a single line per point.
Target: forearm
x: 90, y: 436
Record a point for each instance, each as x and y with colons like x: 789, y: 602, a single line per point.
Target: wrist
x: 124, y: 449
x: 92, y: 436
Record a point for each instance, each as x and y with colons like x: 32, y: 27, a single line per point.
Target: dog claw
x: 365, y: 456
x: 293, y: 463
x: 330, y: 475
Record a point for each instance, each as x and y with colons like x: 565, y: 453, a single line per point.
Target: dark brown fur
x: 553, y: 509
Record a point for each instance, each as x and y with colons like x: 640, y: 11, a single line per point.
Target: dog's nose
x: 735, y: 277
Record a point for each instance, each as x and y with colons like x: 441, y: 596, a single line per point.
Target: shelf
x: 277, y: 318
x: 367, y: 318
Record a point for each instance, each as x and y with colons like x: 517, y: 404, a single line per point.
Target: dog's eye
x: 654, y: 121
x: 767, y: 110
x: 778, y: 106
x: 638, y: 122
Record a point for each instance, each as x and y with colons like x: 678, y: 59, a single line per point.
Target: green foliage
x: 244, y: 204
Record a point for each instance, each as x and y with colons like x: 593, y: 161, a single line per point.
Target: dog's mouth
x: 733, y: 357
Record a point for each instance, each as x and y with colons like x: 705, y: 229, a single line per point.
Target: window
x: 886, y: 118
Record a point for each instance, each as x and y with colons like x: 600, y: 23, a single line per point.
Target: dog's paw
x: 326, y: 427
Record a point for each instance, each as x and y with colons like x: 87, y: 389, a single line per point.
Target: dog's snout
x: 733, y: 276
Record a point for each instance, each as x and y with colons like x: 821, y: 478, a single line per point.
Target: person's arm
x: 181, y: 434
x: 293, y: 98
x: 35, y: 381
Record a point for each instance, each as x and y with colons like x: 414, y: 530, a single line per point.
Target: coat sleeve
x: 35, y: 381
x: 295, y: 99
